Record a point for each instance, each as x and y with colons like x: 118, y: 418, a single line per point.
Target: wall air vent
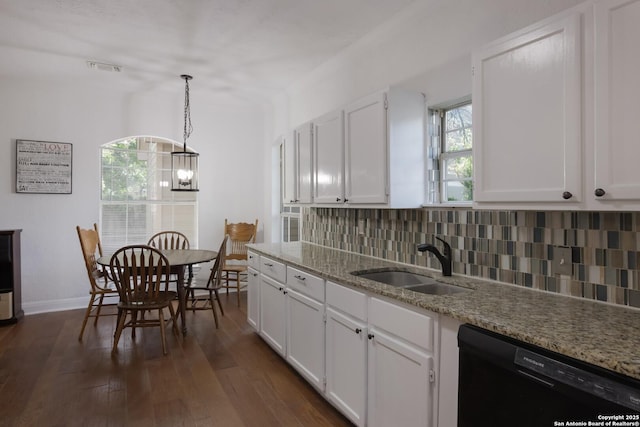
x: 102, y: 66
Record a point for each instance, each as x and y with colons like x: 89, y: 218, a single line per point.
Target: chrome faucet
x: 445, y: 259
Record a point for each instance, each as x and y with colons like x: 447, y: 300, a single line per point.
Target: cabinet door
x: 253, y: 298
x: 366, y: 165
x: 527, y: 116
x: 272, y: 314
x: 305, y: 337
x: 289, y: 168
x: 400, y: 390
x: 347, y: 365
x: 329, y: 162
x: 617, y: 92
x: 304, y: 182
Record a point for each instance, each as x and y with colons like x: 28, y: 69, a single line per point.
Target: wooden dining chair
x: 102, y: 292
x: 201, y: 297
x: 234, y: 270
x: 172, y: 240
x: 141, y: 275
x: 169, y: 240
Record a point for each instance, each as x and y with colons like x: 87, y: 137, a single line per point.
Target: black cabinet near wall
x: 10, y: 295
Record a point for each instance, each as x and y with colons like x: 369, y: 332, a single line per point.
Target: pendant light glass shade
x: 184, y: 164
x: 184, y: 171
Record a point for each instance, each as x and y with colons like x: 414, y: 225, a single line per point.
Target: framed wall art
x: 43, y: 167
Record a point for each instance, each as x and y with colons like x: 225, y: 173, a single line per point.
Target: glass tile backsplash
x: 515, y: 247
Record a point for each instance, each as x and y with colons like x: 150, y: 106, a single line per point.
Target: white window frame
x: 162, y: 201
x: 437, y: 156
x: 290, y: 216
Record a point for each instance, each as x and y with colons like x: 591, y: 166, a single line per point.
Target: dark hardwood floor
x: 223, y: 377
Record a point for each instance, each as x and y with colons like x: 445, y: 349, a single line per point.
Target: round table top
x: 177, y: 257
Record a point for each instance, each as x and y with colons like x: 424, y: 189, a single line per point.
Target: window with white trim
x: 449, y: 155
x: 289, y: 215
x: 136, y: 197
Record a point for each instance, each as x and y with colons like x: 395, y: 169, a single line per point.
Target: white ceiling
x: 240, y: 50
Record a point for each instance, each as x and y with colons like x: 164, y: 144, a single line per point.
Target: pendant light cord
x: 188, y: 128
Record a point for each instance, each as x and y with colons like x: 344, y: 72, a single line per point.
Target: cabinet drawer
x: 274, y: 269
x: 253, y: 260
x: 305, y: 283
x: 406, y: 324
x: 347, y: 300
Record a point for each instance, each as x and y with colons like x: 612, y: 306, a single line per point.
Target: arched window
x: 137, y: 200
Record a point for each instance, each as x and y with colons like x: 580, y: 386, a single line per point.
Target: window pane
x: 458, y: 191
x: 457, y: 182
x: 458, y: 128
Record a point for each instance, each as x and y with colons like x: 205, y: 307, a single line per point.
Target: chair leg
x: 174, y: 319
x: 86, y: 316
x: 238, y: 287
x: 134, y: 322
x: 215, y: 291
x: 213, y: 308
x: 162, y: 331
x: 122, y: 314
x: 95, y: 322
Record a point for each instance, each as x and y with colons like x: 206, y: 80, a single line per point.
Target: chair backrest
x: 169, y: 240
x: 140, y: 273
x: 91, y: 246
x: 215, y: 278
x: 239, y: 235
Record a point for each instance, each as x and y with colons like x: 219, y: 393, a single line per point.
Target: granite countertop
x: 602, y: 334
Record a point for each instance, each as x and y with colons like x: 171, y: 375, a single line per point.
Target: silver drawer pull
x: 297, y: 276
x: 268, y: 265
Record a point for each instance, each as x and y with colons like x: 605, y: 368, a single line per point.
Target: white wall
x: 230, y: 143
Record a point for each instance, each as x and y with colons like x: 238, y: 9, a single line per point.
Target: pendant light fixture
x: 184, y: 164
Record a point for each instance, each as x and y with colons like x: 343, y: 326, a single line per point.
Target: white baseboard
x: 54, y: 305
x: 69, y: 304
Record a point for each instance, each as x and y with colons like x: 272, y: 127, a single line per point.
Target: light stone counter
x: 602, y: 334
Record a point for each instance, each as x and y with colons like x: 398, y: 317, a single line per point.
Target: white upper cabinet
x: 371, y: 153
x: 365, y: 137
x: 297, y: 165
x: 527, y: 115
x: 289, y: 168
x: 616, y: 183
x: 304, y: 163
x: 384, y: 149
x: 329, y: 160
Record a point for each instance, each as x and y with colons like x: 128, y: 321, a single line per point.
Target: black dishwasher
x: 505, y: 382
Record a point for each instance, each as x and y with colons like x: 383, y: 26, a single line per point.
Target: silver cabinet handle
x: 297, y: 276
x: 268, y: 265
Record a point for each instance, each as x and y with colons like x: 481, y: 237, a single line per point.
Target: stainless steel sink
x: 411, y: 281
x: 396, y: 278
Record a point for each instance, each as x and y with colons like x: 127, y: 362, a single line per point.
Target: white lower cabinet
x: 272, y: 314
x: 374, y: 359
x: 401, y: 371
x: 400, y: 389
x: 253, y: 298
x: 346, y: 354
x: 305, y: 337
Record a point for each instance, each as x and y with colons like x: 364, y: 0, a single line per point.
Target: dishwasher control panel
x: 591, y: 383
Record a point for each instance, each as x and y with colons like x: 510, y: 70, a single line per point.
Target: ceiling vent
x: 104, y: 66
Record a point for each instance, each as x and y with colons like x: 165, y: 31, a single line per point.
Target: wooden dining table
x: 179, y: 260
